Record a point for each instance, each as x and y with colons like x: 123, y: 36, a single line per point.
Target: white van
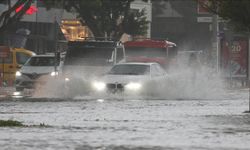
x: 37, y: 70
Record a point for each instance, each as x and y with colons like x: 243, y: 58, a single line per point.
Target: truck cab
x: 12, y: 63
x: 88, y: 60
x: 149, y: 50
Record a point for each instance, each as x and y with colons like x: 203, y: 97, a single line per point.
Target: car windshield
x: 41, y: 61
x: 89, y: 56
x: 129, y: 69
x: 145, y: 51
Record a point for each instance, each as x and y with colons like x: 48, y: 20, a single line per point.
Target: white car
x: 130, y: 78
x: 37, y: 70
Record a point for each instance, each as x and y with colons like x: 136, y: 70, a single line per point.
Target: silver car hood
x: 37, y: 69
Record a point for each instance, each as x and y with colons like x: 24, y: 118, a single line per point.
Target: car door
x: 7, y: 67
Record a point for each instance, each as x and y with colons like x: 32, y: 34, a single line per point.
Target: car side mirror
x: 110, y: 60
x: 19, y: 66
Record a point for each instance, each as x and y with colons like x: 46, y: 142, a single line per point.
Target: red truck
x: 147, y: 50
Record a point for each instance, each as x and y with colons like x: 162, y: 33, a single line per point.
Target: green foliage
x: 14, y: 123
x: 10, y: 123
x: 103, y: 17
x: 9, y: 16
x: 110, y: 17
x: 136, y: 24
x: 236, y: 12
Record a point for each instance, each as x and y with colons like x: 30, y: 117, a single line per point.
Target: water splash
x: 183, y: 82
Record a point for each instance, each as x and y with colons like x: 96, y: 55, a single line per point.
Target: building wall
x: 176, y: 20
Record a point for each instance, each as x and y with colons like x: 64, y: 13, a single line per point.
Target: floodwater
x: 100, y: 124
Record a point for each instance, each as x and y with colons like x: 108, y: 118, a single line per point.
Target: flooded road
x: 85, y: 124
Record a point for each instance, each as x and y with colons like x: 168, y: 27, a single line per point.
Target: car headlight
x: 18, y: 74
x: 99, y: 86
x: 54, y: 73
x: 133, y: 86
x: 66, y: 79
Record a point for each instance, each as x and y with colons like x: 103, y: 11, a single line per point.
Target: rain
x: 124, y: 75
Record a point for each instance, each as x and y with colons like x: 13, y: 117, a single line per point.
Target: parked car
x: 130, y: 78
x: 37, y: 70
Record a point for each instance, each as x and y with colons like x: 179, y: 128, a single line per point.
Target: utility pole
x: 248, y: 60
x: 216, y: 42
x: 229, y: 39
x: 56, y: 39
x: 248, y: 75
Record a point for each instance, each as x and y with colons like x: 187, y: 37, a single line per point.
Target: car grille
x: 115, y: 87
x: 34, y: 75
x: 28, y: 84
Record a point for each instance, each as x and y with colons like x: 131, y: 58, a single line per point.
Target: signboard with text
x: 234, y: 59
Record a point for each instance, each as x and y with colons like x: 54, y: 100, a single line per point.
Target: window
x: 89, y: 56
x: 22, y: 58
x: 41, y: 61
x: 126, y: 69
x: 146, y: 52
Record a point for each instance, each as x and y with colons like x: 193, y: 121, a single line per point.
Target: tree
x: 103, y: 17
x: 236, y: 12
x: 106, y: 17
x: 11, y: 16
